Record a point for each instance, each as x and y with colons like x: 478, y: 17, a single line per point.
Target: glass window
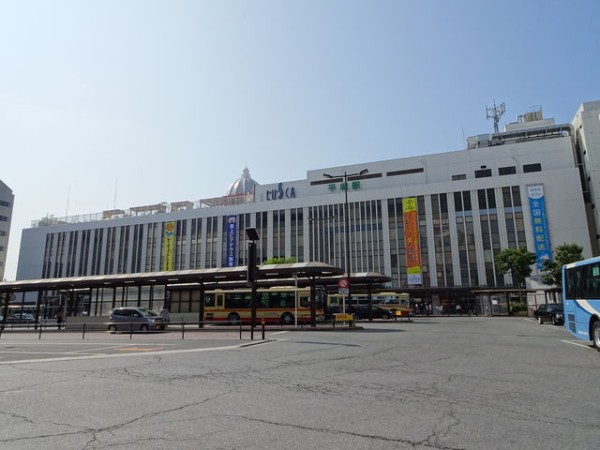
x: 537, y: 167
x: 510, y: 170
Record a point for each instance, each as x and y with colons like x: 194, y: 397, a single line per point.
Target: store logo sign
x: 281, y: 193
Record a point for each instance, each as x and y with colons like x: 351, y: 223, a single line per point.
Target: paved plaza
x: 435, y: 383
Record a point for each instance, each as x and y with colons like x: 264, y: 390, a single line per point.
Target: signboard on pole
x: 343, y: 286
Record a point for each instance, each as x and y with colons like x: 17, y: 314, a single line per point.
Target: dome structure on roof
x: 243, y: 185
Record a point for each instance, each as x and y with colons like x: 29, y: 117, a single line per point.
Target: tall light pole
x: 252, y: 236
x: 347, y: 265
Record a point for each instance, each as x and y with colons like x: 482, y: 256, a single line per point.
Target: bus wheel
x: 287, y: 319
x: 234, y: 319
x: 596, y: 334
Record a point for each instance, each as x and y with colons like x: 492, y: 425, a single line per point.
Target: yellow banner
x: 411, y: 240
x: 168, y: 246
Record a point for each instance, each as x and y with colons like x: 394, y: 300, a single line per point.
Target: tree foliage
x: 563, y: 254
x: 516, y: 262
x: 280, y: 260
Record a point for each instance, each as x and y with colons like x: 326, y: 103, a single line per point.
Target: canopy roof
x: 198, y: 276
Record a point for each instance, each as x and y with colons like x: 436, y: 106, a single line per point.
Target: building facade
x: 6, y: 206
x: 431, y: 222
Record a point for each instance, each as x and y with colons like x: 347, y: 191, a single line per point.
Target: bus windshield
x: 581, y: 299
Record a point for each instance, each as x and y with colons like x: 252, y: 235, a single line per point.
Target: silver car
x: 135, y: 319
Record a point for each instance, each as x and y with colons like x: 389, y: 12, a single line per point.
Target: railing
x: 131, y: 328
x: 147, y: 210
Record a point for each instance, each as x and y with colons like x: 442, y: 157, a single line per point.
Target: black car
x: 362, y: 312
x: 551, y: 312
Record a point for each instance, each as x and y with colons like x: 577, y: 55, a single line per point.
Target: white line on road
x: 578, y: 344
x: 126, y: 355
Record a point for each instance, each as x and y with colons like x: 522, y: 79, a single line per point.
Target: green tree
x: 280, y: 260
x: 563, y: 254
x: 517, y: 262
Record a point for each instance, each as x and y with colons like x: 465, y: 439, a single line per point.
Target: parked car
x: 135, y: 319
x: 377, y: 312
x: 551, y: 312
x: 21, y: 318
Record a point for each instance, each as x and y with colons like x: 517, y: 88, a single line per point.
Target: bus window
x: 209, y: 300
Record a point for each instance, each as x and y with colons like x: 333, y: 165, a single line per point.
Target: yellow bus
x: 276, y: 305
x: 399, y: 302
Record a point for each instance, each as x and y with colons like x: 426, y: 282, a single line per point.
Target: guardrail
x: 183, y: 326
x: 127, y: 327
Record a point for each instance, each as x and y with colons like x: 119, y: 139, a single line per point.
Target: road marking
x: 128, y: 355
x: 578, y: 344
x: 139, y: 349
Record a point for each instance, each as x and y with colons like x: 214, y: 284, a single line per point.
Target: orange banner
x: 411, y: 240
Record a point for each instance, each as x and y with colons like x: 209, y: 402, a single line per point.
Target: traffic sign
x: 343, y: 283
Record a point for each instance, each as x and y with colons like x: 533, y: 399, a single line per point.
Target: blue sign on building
x: 231, y: 241
x: 541, y: 234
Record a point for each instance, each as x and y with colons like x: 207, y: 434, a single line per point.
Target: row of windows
x: 583, y: 282
x: 4, y: 203
x: 201, y: 242
x: 241, y: 300
x: 485, y: 172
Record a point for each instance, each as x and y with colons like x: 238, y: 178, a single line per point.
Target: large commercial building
x: 433, y: 223
x: 6, y: 205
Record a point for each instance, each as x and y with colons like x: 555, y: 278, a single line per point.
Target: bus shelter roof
x: 300, y: 270
x: 359, y: 281
x: 195, y: 276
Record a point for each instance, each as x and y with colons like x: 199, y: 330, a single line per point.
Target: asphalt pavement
x: 451, y: 383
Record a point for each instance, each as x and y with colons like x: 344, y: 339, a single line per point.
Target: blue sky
x: 128, y: 103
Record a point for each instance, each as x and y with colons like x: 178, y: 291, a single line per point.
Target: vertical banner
x: 168, y: 246
x: 411, y: 240
x: 231, y: 241
x: 541, y: 234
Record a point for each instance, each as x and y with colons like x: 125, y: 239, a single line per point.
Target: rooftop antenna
x: 116, y: 184
x: 495, y: 113
x: 68, y: 197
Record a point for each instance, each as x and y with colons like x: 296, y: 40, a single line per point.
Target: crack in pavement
x: 97, y: 431
x: 422, y: 443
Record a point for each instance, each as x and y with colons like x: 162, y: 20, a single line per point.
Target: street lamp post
x: 252, y: 236
x: 347, y: 265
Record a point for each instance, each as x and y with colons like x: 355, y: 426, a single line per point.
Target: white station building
x: 433, y: 223
x: 6, y: 205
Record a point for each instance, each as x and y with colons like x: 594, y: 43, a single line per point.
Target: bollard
x: 83, y: 335
x: 182, y: 329
x: 40, y: 333
x: 263, y: 329
x: 240, y: 330
x: 130, y: 330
